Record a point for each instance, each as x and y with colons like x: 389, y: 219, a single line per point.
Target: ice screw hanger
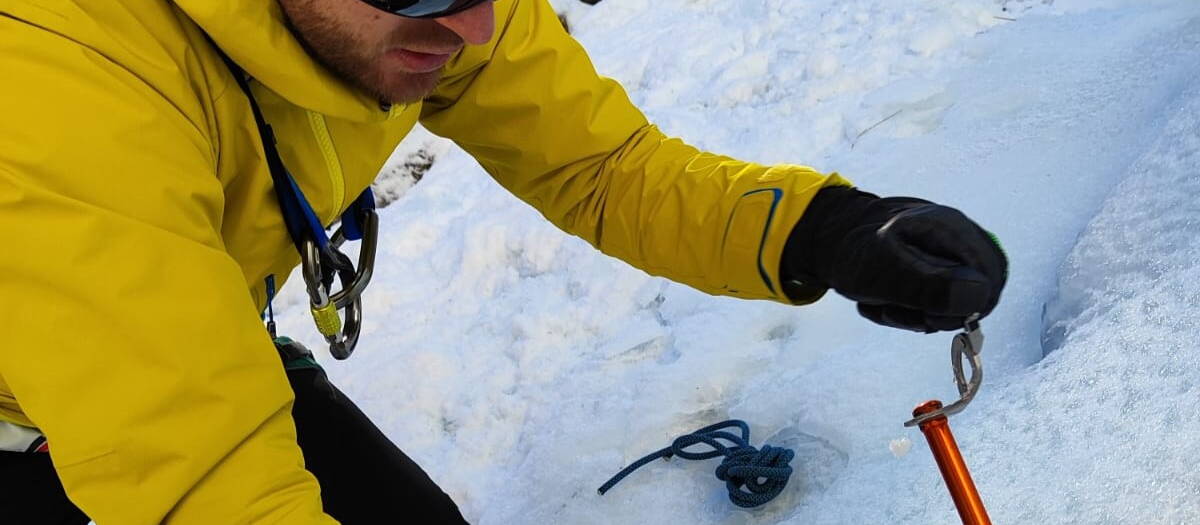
x: 932, y: 418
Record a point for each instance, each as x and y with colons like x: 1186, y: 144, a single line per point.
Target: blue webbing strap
x: 298, y: 214
x: 350, y: 220
x: 306, y: 215
x: 290, y: 207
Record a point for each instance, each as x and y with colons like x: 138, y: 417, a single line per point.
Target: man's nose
x: 475, y: 25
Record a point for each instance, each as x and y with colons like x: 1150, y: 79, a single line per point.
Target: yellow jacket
x: 139, y: 225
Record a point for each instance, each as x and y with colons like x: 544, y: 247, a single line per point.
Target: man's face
x: 397, y: 59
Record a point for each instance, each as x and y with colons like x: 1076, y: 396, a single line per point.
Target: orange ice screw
x: 950, y: 462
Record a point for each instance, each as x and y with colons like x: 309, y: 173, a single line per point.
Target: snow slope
x: 522, y: 369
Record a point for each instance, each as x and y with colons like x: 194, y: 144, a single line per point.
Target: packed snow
x: 521, y: 368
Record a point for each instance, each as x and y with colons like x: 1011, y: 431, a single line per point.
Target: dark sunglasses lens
x: 423, y: 8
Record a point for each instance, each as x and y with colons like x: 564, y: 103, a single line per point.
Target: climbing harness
x: 932, y: 418
x: 321, y: 257
x: 752, y: 476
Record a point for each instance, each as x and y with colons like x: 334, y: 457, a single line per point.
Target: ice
x: 1114, y: 400
x: 900, y: 447
x: 522, y: 369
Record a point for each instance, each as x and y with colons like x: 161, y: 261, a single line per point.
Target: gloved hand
x: 908, y: 263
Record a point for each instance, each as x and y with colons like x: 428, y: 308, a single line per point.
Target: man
x: 138, y: 202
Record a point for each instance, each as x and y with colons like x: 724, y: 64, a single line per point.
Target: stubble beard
x: 359, y: 62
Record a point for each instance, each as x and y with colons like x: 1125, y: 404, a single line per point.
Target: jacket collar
x: 254, y: 34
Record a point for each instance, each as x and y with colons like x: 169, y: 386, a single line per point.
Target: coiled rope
x: 752, y: 476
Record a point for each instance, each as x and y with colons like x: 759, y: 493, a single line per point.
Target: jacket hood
x: 254, y: 34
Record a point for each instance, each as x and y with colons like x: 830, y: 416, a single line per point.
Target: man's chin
x: 410, y: 88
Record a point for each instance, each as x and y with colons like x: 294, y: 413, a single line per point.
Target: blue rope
x: 743, y: 468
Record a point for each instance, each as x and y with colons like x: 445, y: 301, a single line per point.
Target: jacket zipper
x: 333, y: 166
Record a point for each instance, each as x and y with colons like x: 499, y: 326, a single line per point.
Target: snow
x: 408, y: 164
x: 522, y: 369
x: 900, y: 447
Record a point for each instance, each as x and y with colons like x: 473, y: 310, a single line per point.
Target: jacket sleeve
x: 531, y: 109
x: 130, y: 338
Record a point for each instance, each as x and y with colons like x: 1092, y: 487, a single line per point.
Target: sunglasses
x: 423, y: 8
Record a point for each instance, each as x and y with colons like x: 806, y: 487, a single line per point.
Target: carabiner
x: 369, y: 222
x: 932, y: 418
x: 969, y: 344
x: 324, y: 304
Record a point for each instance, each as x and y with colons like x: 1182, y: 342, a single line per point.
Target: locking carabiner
x: 319, y: 255
x: 318, y: 268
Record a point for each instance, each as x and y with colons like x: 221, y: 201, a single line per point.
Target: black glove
x: 908, y: 263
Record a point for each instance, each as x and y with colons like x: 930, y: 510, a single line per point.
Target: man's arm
x: 531, y: 108
x: 130, y: 338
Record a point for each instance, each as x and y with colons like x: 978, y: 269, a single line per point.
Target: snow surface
x: 522, y: 369
x: 408, y: 164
